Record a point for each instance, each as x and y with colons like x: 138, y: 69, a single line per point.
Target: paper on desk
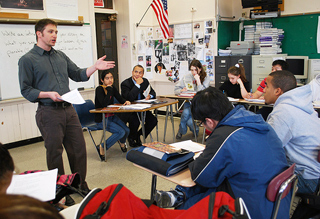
x: 73, y: 97
x: 146, y: 101
x: 255, y: 100
x: 41, y: 185
x: 232, y: 99
x: 147, y: 91
x: 316, y: 103
x: 188, y: 145
x: 136, y: 106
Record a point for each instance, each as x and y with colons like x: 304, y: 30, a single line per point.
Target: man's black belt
x: 56, y: 104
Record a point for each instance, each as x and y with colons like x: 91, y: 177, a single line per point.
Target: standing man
x: 133, y: 89
x: 44, y: 76
x: 297, y: 125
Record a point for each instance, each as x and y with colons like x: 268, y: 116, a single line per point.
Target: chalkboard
x: 16, y: 40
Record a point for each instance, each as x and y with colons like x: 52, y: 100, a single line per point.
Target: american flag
x: 160, y: 8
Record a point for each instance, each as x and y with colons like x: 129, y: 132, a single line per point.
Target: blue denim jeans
x: 193, y: 195
x: 186, y: 120
x: 118, y: 129
x: 307, y: 185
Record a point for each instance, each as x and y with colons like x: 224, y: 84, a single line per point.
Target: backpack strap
x: 104, y: 206
x: 211, y: 204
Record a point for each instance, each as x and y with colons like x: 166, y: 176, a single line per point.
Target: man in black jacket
x: 133, y: 89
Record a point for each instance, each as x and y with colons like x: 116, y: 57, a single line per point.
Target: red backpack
x: 116, y: 201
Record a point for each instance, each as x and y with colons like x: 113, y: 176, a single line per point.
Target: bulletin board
x: 169, y: 59
x: 17, y: 40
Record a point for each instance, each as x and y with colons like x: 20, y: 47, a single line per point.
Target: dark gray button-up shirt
x: 41, y: 70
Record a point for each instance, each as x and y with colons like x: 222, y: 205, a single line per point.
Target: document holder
x: 160, y: 162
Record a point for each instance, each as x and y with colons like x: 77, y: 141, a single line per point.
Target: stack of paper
x: 255, y: 100
x: 136, y: 106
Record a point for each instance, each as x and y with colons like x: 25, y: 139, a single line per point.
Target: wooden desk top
x: 154, y: 106
x: 176, y: 97
x: 182, y: 178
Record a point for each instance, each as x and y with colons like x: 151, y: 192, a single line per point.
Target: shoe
x: 69, y: 201
x: 170, y: 199
x: 179, y: 135
x: 102, y: 157
x: 124, y: 148
x: 132, y: 143
x: 138, y: 142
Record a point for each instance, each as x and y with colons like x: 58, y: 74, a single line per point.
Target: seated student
x: 297, y: 125
x: 105, y: 95
x: 277, y: 65
x: 200, y: 81
x: 132, y: 89
x: 6, y: 169
x: 243, y: 153
x: 315, y: 88
x: 237, y: 86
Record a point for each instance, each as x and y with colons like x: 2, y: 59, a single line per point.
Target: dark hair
x: 284, y: 65
x: 202, y: 74
x: 24, y: 207
x: 6, y: 162
x: 104, y: 73
x: 159, y: 64
x: 210, y: 103
x: 284, y: 80
x: 140, y: 66
x: 236, y: 71
x: 41, y: 25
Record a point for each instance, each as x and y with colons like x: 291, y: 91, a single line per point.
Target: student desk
x: 167, y: 104
x: 184, y: 98
x: 182, y: 178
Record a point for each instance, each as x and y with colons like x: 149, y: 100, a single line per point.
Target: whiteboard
x: 16, y: 40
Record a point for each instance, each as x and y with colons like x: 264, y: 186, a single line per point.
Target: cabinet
x: 223, y: 63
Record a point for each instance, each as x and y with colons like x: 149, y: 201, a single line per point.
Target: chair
x: 87, y: 120
x: 280, y: 186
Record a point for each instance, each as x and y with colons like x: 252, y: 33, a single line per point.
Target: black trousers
x: 134, y: 123
x: 61, y: 126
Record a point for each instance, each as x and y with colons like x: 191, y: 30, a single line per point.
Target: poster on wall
x: 23, y: 4
x: 183, y: 31
x: 99, y: 3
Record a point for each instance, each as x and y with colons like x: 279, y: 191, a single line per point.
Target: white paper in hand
x: 147, y: 91
x: 41, y: 185
x: 73, y: 97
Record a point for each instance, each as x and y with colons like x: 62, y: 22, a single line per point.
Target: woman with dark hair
x: 198, y: 80
x: 237, y: 86
x: 105, y: 95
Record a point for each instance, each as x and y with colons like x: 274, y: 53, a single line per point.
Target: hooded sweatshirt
x: 297, y: 125
x: 246, y: 151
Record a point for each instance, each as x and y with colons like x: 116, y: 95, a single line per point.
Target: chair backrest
x: 275, y: 184
x: 86, y: 118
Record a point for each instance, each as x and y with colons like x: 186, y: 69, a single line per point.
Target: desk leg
x: 172, y: 122
x: 143, y: 119
x: 165, y: 124
x: 104, y: 135
x: 157, y: 129
x: 194, y: 128
x: 153, y: 186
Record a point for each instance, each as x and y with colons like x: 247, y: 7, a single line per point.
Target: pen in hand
x: 250, y: 94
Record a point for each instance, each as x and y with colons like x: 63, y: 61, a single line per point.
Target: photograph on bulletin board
x: 99, y: 3
x: 23, y: 4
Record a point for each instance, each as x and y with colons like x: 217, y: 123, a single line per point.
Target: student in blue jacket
x: 243, y: 154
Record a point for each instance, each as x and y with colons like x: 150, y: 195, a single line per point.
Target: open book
x: 159, y: 146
